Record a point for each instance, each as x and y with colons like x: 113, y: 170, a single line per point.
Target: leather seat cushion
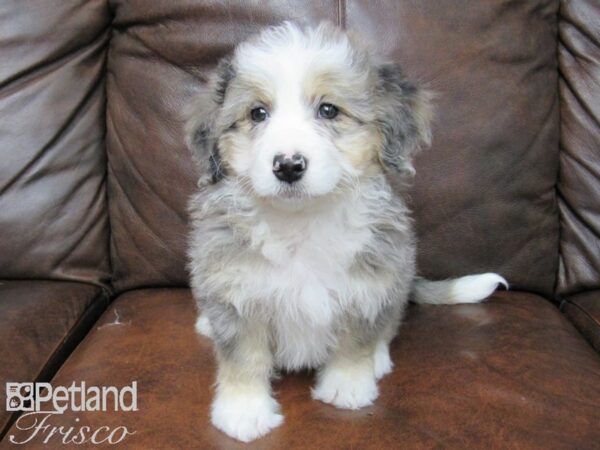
x: 40, y: 323
x: 511, y: 373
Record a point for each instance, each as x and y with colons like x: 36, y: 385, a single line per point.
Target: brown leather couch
x: 95, y: 176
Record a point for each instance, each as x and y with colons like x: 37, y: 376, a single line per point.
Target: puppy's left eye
x: 328, y: 111
x: 259, y: 114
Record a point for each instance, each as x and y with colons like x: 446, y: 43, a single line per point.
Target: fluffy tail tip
x: 468, y: 289
x: 474, y: 288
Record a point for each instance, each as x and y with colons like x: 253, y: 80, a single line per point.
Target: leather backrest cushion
x: 484, y: 197
x: 53, y: 211
x: 579, y: 180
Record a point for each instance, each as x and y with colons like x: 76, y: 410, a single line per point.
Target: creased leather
x: 53, y: 211
x: 584, y: 311
x: 579, y: 186
x: 40, y: 322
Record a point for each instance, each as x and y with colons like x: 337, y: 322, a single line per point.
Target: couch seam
x: 557, y: 193
x: 101, y: 301
x: 584, y: 311
x: 108, y: 248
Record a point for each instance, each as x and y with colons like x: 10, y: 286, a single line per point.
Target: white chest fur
x: 298, y: 269
x: 308, y: 275
x: 298, y: 274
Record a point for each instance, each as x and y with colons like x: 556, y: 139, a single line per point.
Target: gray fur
x: 202, y: 134
x: 226, y: 325
x: 222, y: 218
x: 313, y: 276
x: 403, y: 130
x: 224, y: 215
x: 316, y: 276
x: 225, y: 74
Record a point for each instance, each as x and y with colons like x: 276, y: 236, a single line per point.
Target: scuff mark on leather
x: 117, y: 321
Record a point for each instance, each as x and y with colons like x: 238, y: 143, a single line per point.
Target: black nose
x: 289, y: 169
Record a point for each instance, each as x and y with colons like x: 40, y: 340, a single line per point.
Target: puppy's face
x: 296, y: 114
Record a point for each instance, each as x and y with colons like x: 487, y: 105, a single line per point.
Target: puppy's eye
x: 328, y: 111
x: 259, y: 114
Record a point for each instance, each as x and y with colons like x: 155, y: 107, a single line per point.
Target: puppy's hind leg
x: 243, y: 406
x: 203, y: 326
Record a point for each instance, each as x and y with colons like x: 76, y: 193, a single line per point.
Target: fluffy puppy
x: 301, y: 254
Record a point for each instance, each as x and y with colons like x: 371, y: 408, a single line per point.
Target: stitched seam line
x: 588, y: 315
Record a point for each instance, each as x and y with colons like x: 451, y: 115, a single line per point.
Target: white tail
x: 469, y: 289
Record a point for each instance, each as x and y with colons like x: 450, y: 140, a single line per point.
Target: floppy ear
x: 404, y: 117
x: 201, y: 130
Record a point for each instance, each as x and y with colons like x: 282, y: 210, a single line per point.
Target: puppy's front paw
x: 245, y: 416
x: 346, y: 387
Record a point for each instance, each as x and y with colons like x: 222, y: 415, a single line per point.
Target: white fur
x: 283, y: 60
x: 383, y: 361
x: 347, y: 384
x: 245, y: 413
x: 297, y: 272
x: 314, y: 274
x: 203, y: 326
x: 467, y: 289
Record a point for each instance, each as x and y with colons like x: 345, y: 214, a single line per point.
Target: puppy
x: 301, y: 254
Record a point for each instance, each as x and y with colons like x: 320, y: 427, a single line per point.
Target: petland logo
x: 39, y: 402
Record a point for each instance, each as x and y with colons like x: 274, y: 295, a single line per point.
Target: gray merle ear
x: 202, y: 131
x: 404, y: 117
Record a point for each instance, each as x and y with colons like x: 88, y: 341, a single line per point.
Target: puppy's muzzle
x: 289, y: 169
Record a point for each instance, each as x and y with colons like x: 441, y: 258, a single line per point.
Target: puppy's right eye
x: 328, y: 111
x: 259, y: 114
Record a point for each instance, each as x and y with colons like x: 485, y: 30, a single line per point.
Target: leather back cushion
x: 53, y: 210
x: 484, y: 197
x: 579, y: 185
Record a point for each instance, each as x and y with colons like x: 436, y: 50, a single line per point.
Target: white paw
x: 203, y: 326
x: 383, y: 362
x: 346, y: 388
x: 245, y: 416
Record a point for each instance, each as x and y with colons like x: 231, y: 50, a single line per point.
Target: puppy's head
x: 301, y: 113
